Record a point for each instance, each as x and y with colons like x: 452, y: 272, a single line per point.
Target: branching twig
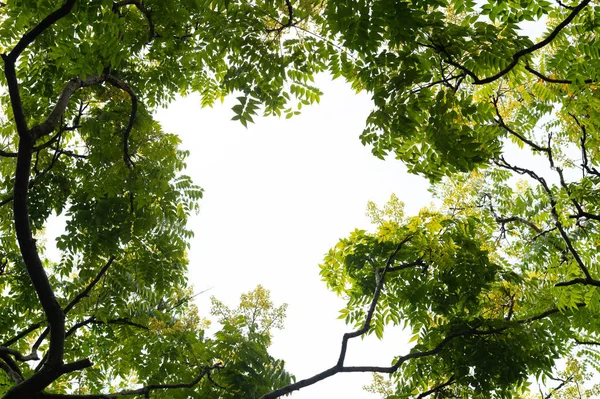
x: 593, y: 343
x: 584, y: 155
x: 553, y: 209
x: 17, y: 355
x: 72, y: 304
x: 290, y: 22
x: 560, y: 3
x: 118, y: 83
x: 204, y: 371
x: 144, y: 10
x: 502, y: 124
x: 559, y: 387
x: 552, y: 80
x: 436, y: 389
x: 340, y: 368
x: 518, y: 219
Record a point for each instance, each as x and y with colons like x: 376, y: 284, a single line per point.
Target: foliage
x: 256, y: 312
x: 500, y: 282
x: 496, y: 284
x: 112, y: 314
x: 443, y: 73
x: 573, y: 382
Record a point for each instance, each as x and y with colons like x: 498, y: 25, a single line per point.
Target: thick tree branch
x: 15, y: 96
x: 11, y: 58
x: 49, y: 124
x: 10, y: 372
x: 74, y: 302
x: 54, y: 368
x: 8, y: 154
x: 13, y: 365
x: 54, y: 313
x: 46, y: 23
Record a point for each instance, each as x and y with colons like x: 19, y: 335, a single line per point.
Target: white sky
x: 278, y: 195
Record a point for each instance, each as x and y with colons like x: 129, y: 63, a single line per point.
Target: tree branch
x: 46, y: 23
x: 10, y: 372
x: 38, y: 176
x: 49, y: 124
x: 118, y: 83
x: 144, y: 10
x: 502, y: 124
x: 290, y: 22
x: 584, y: 155
x: 436, y: 389
x: 93, y: 320
x: 594, y: 343
x: 23, y: 333
x: 37, y: 148
x: 338, y: 368
x: 54, y: 313
x: 551, y: 80
x: 16, y: 354
x: 418, y: 262
x: 11, y: 58
x: 204, y: 371
x: 72, y: 304
x: 559, y: 387
x: 521, y: 53
x: 367, y: 323
x: 13, y: 365
x: 553, y: 205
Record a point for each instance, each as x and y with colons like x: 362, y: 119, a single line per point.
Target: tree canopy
x: 497, y: 284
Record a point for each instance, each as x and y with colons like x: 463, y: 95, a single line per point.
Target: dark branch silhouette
x: 519, y: 54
